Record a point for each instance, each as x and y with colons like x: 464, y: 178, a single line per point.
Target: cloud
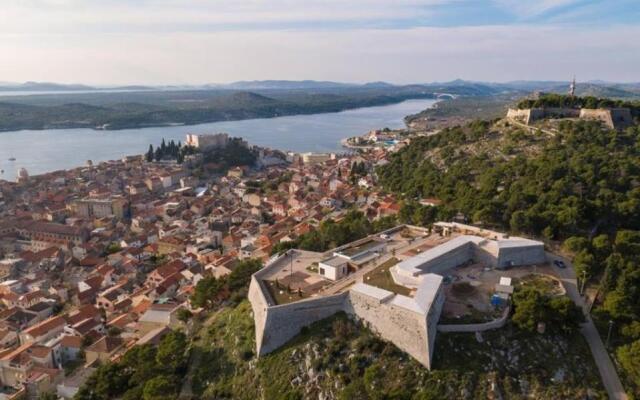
x: 527, y: 9
x: 66, y: 16
x: 495, y: 53
x: 200, y: 41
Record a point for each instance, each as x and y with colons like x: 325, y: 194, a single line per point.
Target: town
x: 100, y: 258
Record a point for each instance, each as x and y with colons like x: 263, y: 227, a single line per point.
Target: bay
x: 41, y: 151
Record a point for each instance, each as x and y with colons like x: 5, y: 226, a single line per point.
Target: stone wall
x: 404, y: 328
x: 449, y: 260
x: 495, y: 324
x: 519, y: 115
x: 277, y: 324
x: 409, y: 328
x: 521, y: 255
x: 613, y: 118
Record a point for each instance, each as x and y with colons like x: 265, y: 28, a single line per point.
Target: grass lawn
x: 381, y: 277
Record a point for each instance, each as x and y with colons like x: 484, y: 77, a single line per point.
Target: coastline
x: 51, y: 151
x: 246, y: 115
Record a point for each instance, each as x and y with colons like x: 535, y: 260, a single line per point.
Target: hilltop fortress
x: 407, y: 317
x: 612, y: 118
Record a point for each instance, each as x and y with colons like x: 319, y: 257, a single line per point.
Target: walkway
x: 608, y: 372
x: 532, y: 128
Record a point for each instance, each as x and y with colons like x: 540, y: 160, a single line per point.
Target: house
x: 103, y: 349
x: 110, y: 297
x: 68, y: 348
x: 44, y: 330
x: 157, y: 316
x: 164, y: 271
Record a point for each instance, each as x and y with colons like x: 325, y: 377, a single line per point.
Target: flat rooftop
x: 362, y: 247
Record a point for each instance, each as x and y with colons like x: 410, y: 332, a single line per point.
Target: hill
x: 579, y: 188
x: 119, y: 110
x: 339, y: 359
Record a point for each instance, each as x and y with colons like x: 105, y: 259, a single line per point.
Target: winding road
x: 607, y: 370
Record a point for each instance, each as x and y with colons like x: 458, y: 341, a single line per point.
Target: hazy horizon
x: 180, y: 42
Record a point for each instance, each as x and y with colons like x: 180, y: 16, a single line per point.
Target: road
x: 607, y: 370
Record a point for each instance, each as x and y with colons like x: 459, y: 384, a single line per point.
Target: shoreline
x: 11, y: 170
x: 105, y: 127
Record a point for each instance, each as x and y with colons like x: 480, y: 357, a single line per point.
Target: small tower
x: 572, y: 87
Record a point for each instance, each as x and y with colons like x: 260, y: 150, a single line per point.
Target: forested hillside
x: 581, y: 186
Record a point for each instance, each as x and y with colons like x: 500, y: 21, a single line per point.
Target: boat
x: 12, y: 159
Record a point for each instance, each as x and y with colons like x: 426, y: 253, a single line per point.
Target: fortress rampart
x: 408, y: 322
x: 613, y: 118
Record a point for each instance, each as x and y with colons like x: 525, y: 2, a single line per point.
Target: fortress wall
x: 451, y: 259
x: 259, y: 305
x: 522, y: 255
x: 519, y: 115
x: 404, y: 328
x: 601, y: 115
x: 283, y: 322
x: 621, y: 117
x: 614, y: 118
x: 486, y: 254
x: 560, y: 112
x: 432, y: 321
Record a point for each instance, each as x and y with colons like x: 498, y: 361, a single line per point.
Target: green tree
x: 109, y: 381
x: 184, y: 315
x: 207, y: 292
x: 172, y: 351
x: 519, y: 221
x: 530, y: 308
x: 564, y: 314
x: 48, y: 396
x: 160, y: 388
x: 629, y: 357
x: 576, y: 244
x: 150, y: 154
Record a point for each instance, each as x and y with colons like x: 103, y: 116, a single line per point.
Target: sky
x: 157, y: 42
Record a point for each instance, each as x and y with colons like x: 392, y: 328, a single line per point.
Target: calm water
x: 50, y: 150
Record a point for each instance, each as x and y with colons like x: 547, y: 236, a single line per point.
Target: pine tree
x: 150, y: 154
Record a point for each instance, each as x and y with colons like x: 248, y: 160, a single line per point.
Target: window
x: 321, y: 271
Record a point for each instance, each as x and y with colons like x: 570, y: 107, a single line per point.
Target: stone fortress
x: 612, y: 118
x: 408, y: 321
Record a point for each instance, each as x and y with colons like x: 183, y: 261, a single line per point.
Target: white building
x: 334, y: 268
x: 315, y: 158
x: 207, y: 141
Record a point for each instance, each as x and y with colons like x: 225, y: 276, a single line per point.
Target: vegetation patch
x: 381, y: 277
x: 341, y: 359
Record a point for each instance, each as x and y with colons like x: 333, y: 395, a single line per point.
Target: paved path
x: 608, y: 372
x: 532, y: 128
